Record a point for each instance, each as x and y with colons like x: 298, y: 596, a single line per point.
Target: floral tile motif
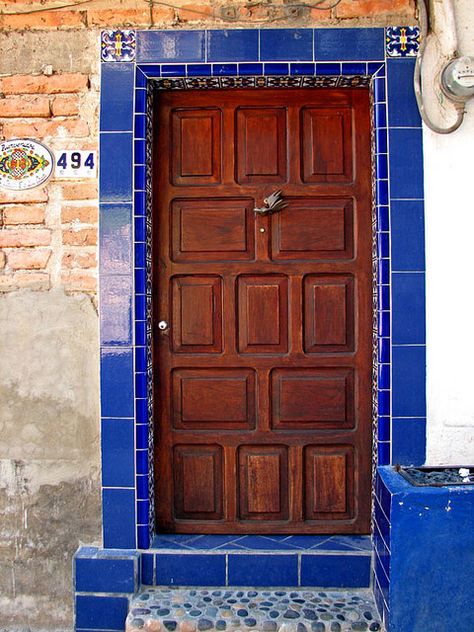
x: 402, y: 41
x: 117, y: 45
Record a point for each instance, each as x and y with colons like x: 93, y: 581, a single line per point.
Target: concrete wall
x: 449, y: 229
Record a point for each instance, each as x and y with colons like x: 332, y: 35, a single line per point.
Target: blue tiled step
x: 240, y: 609
x: 263, y: 561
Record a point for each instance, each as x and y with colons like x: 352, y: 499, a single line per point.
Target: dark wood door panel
x: 263, y: 378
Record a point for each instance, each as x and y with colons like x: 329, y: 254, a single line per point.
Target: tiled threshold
x: 258, y: 561
x: 208, y: 609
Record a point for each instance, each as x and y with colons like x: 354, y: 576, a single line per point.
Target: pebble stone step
x: 245, y: 610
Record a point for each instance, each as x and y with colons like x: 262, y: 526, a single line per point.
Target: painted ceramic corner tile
x: 402, y: 41
x: 117, y: 45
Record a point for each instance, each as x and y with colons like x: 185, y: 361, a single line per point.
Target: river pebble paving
x: 244, y: 610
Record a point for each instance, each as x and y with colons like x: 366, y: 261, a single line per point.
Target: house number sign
x: 76, y: 163
x: 24, y: 164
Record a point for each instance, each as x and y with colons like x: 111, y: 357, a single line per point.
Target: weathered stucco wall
x: 49, y: 385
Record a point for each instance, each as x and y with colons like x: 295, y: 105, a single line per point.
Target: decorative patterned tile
x: 402, y: 41
x: 118, y: 45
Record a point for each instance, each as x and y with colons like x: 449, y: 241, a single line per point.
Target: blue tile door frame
x: 399, y: 270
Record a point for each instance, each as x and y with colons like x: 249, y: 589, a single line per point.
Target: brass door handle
x: 272, y: 204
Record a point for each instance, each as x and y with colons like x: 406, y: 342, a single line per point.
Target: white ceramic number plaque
x: 75, y: 163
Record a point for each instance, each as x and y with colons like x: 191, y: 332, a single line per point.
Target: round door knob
x: 162, y: 325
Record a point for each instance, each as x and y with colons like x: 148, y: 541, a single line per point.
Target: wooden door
x: 263, y: 375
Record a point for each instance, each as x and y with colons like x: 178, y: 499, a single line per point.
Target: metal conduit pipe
x: 424, y: 29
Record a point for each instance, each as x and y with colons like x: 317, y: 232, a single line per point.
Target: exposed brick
x: 3, y: 259
x: 162, y: 14
x: 17, y: 107
x: 22, y: 237
x: 43, y: 20
x: 190, y: 12
x: 31, y: 259
x: 79, y: 281
x: 23, y: 214
x: 81, y: 237
x: 80, y: 259
x: 27, y: 196
x: 41, y: 84
x: 118, y: 17
x: 65, y: 105
x: 20, y: 280
x: 41, y: 128
x: 79, y: 191
x: 369, y: 8
x: 83, y: 214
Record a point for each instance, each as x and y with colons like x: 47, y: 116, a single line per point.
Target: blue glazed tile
x: 140, y: 177
x: 406, y: 163
x: 379, y: 601
x: 117, y: 453
x: 335, y: 571
x: 140, y: 152
x: 86, y: 551
x: 382, y: 552
x: 140, y: 378
x: 142, y: 413
x: 141, y: 435
x: 140, y: 307
x: 170, y: 46
x: 141, y: 80
x: 143, y: 536
x: 286, y: 44
x: 382, y: 579
x: 115, y: 310
x: 408, y: 308
x: 381, y: 117
x: 380, y: 90
x: 118, y: 510
x: 384, y: 376
x: 302, y: 69
x: 224, y: 70
x: 141, y: 340
x: 328, y: 69
x: 140, y: 126
x: 384, y: 297
x: 381, y: 520
x: 354, y: 69
x: 142, y: 487
x: 115, y: 180
x: 383, y: 452
x: 382, y: 165
x: 147, y: 564
x: 263, y: 570
x: 276, y: 69
x: 212, y: 542
x: 384, y: 350
x: 140, y: 281
x: 382, y: 192
x: 105, y: 575
x: 152, y: 70
x: 140, y: 101
x: 190, y: 569
x: 101, y: 613
x: 409, y: 441
x: 140, y: 255
x: 408, y: 381
x: 381, y: 144
x: 383, y: 215
x: 232, y: 45
x: 176, y: 70
x: 259, y: 543
x: 376, y: 68
x: 384, y: 497
x: 140, y: 359
x: 383, y: 326
x: 383, y: 429
x: 384, y: 272
x: 142, y: 461
x: 139, y: 202
x: 408, y: 235
x: 116, y: 97
x: 116, y: 374
x: 346, y: 543
x: 199, y: 70
x: 250, y: 69
x: 143, y: 508
x: 115, y: 237
x: 349, y: 44
x: 384, y: 402
x: 402, y: 107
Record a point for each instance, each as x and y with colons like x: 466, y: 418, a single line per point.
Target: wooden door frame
x: 126, y: 74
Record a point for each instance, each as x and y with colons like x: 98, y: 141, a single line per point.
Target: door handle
x: 272, y: 204
x: 163, y: 325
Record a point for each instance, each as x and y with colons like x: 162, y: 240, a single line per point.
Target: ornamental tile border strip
x: 303, y: 81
